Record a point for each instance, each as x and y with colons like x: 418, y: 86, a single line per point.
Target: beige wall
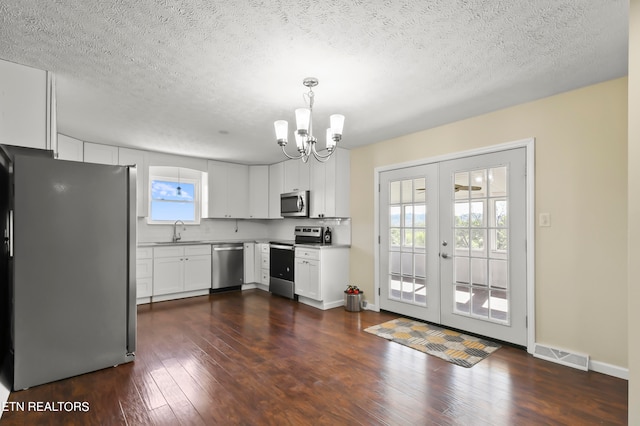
x: 634, y: 211
x: 581, y: 180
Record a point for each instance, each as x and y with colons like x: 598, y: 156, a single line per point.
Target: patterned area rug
x: 457, y: 348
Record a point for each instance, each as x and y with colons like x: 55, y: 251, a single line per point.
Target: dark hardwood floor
x: 252, y: 358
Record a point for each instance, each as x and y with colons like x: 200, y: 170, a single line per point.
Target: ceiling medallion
x: 305, y: 141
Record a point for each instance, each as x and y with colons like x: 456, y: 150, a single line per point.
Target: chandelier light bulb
x: 282, y: 129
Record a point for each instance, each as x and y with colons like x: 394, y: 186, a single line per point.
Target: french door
x: 453, y: 246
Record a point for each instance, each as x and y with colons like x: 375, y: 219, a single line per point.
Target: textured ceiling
x: 208, y: 78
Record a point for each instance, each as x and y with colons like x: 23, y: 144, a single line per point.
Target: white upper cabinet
x: 100, y: 154
x: 130, y: 157
x: 228, y: 190
x: 259, y: 192
x: 330, y: 183
x: 276, y: 187
x: 70, y: 149
x: 23, y: 106
x: 296, y: 175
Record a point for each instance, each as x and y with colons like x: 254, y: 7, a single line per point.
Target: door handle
x: 444, y: 255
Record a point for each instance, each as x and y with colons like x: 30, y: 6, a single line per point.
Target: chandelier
x: 305, y: 141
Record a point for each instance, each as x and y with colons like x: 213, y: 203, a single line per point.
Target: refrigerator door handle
x: 133, y: 238
x: 8, y: 238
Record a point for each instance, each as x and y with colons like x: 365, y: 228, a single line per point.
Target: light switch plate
x: 544, y: 219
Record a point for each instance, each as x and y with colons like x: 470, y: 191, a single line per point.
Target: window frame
x: 197, y: 196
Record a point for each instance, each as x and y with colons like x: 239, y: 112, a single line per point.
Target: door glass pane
x: 394, y: 216
x: 408, y: 216
x: 499, y: 305
x: 498, y: 181
x: 479, y: 302
x: 462, y: 299
x: 394, y: 262
x: 498, y: 273
x: 394, y: 237
x: 461, y: 182
x: 461, y: 212
x: 476, y: 216
x: 420, y: 264
x: 419, y: 238
x: 394, y: 192
x: 420, y: 188
x: 420, y: 216
x: 407, y: 191
x: 480, y: 201
x: 461, y: 269
x: 420, y: 291
x: 478, y: 184
x: 479, y: 272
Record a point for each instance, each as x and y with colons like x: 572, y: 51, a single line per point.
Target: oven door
x: 281, y: 262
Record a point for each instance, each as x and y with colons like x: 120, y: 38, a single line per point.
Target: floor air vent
x: 570, y: 359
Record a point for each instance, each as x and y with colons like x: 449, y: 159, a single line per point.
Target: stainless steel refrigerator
x: 72, y: 264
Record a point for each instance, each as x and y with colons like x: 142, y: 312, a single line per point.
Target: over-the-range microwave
x: 294, y: 204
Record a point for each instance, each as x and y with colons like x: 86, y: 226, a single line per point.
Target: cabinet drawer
x: 143, y: 287
x: 264, y: 248
x: 144, y: 268
x: 264, y: 277
x: 304, y: 253
x: 144, y: 252
x: 197, y: 250
x: 172, y: 251
x: 265, y: 260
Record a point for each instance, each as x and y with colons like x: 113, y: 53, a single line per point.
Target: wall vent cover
x: 570, y: 359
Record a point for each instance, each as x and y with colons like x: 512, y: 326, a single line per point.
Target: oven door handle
x: 281, y: 247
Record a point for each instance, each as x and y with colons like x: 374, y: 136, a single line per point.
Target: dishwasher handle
x: 227, y: 248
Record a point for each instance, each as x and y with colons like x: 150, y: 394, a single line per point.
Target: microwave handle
x: 300, y: 203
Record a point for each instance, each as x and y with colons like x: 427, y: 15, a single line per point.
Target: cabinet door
x: 70, y: 149
x: 217, y: 189
x: 276, y: 187
x: 296, y: 176
x: 131, y: 157
x: 249, y: 263
x: 314, y: 289
x: 259, y: 192
x: 168, y: 275
x: 100, y: 154
x: 197, y: 272
x: 23, y: 105
x: 301, y: 277
x: 237, y: 191
x: 144, y: 287
x: 318, y: 189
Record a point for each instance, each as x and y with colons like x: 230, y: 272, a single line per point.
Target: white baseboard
x: 249, y: 286
x: 371, y: 307
x: 608, y: 369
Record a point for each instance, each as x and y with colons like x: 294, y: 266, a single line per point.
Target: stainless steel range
x: 282, y: 260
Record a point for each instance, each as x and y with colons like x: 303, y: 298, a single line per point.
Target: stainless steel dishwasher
x: 227, y: 265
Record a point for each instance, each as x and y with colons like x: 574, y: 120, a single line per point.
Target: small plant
x: 352, y: 289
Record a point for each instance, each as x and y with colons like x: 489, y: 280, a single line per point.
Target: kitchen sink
x: 179, y: 242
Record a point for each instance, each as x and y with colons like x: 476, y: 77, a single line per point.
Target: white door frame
x: 529, y: 145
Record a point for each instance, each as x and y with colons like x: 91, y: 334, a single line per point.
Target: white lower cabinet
x: 249, y: 261
x: 307, y: 278
x: 181, y: 270
x: 144, y: 274
x: 321, y: 276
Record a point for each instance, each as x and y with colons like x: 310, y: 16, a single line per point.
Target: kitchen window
x: 174, y: 194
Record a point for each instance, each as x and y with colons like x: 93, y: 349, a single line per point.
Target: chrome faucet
x: 176, y: 234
